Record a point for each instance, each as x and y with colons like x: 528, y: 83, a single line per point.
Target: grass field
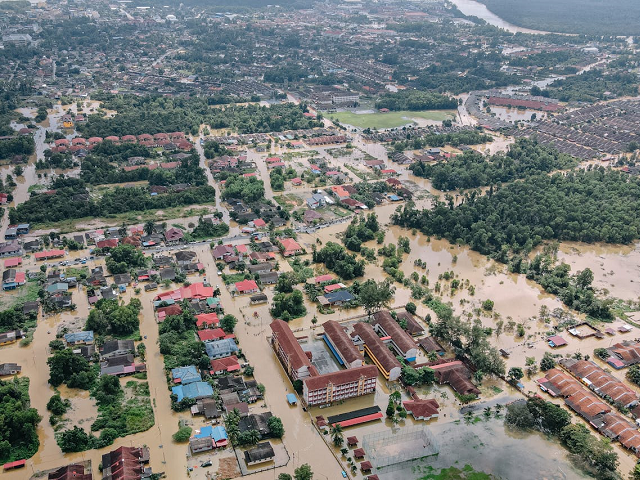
x: 389, y: 119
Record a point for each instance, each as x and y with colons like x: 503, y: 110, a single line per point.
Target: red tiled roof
x: 246, y: 286
x: 289, y: 344
x: 211, y: 334
x: 340, y: 377
x: 207, y: 319
x: 49, y: 254
x: 229, y: 364
x: 422, y: 408
x: 12, y: 262
x: 376, y: 347
x: 393, y: 328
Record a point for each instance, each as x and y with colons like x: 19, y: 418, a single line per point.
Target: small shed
x: 366, y: 466
x: 291, y: 398
x: 358, y: 453
x: 352, y: 441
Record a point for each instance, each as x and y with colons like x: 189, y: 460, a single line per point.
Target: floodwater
x: 477, y: 9
x: 514, y: 114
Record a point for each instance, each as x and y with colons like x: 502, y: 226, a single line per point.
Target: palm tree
x: 498, y: 408
x: 487, y: 412
x: 148, y: 227
x: 336, y: 435
x: 254, y: 436
x: 468, y: 416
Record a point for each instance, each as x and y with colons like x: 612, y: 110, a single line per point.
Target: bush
x: 182, y: 435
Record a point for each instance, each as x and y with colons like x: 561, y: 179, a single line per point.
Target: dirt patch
x: 228, y: 468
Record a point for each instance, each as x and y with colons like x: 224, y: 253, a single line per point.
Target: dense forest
x: 455, y: 139
x: 472, y: 169
x: 416, y: 100
x: 20, y: 145
x: 601, y: 17
x: 155, y: 114
x: 18, y: 421
x: 587, y: 206
x: 72, y: 201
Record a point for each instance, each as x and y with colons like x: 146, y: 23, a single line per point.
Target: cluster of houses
x: 116, y: 357
x: 593, y: 394
x: 168, y: 141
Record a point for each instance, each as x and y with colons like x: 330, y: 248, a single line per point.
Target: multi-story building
x: 374, y: 347
x: 341, y: 385
x: 341, y: 345
x: 293, y: 359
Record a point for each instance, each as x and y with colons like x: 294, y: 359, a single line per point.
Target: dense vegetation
x: 288, y: 306
x: 465, y: 137
x: 361, y: 230
x: 594, y: 455
x: 14, y: 318
x: 18, y: 421
x: 70, y: 201
x: 416, y: 100
x: 601, y: 17
x: 178, y: 342
x: 109, y: 317
x: 588, y: 206
x: 592, y: 85
x: 472, y: 169
x: 154, y: 114
x: 124, y: 258
x: 99, y: 170
x: 20, y: 145
x: 336, y: 258
x: 73, y: 370
x: 247, y: 189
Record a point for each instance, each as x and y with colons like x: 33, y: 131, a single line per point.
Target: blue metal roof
x: 193, y: 390
x: 188, y: 374
x: 291, y: 398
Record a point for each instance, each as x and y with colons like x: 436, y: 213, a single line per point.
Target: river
x: 477, y: 9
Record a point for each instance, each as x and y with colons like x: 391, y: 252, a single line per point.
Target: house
x: 12, y: 279
x: 336, y: 298
x: 456, y: 374
x: 221, y: 251
x: 207, y: 407
x: 411, y: 325
x: 173, y: 236
x: 221, y: 348
x: 194, y: 390
x: 311, y: 216
x: 168, y: 273
x: 211, y: 334
x: 122, y: 279
x: 11, y: 336
x: 9, y: 369
x: 246, y: 287
x: 114, y: 348
x: 353, y: 204
x: 258, y: 422
x: 218, y: 434
x: 150, y: 287
x: 422, y: 409
x: 186, y: 375
x: 107, y: 243
x: 261, y: 453
x: 11, y: 249
x: 126, y: 463
x: 262, y: 267
x: 316, y: 200
x: 270, y: 278
x: 324, y: 278
x: 70, y: 472
x: 185, y: 257
x: 556, y: 341
x: 79, y: 338
x: 225, y: 365
x: 31, y: 308
x: 259, y: 298
x: 289, y: 247
x: 207, y: 320
x: 203, y: 444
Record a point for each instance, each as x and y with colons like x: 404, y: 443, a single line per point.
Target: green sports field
x: 389, y: 119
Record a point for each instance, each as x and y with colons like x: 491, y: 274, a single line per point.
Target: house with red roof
x: 210, y: 335
x: 258, y: 223
x: 422, y: 409
x: 246, y: 287
x: 49, y: 254
x: 173, y: 236
x: 207, y: 320
x: 289, y: 247
x: 107, y: 243
x: 225, y: 365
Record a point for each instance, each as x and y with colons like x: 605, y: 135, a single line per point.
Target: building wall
x: 333, y: 393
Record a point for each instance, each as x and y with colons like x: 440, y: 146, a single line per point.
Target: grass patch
x: 390, y: 119
x: 339, y: 212
x: 230, y: 278
x: 288, y: 201
x: 453, y: 473
x: 82, y: 272
x: 71, y: 225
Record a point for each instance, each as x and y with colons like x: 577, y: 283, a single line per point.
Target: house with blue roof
x: 77, y: 338
x: 186, y: 375
x: 336, y: 298
x: 221, y: 348
x: 195, y: 390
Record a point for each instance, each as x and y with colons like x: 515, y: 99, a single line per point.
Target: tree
x: 336, y: 435
x: 275, y: 427
x: 149, y: 227
x: 286, y: 282
x: 515, y: 374
x: 57, y: 406
x: 74, y: 440
x: 635, y: 473
x: 547, y: 362
x: 125, y: 257
x: 248, y: 371
x: 228, y: 323
x: 487, y: 305
x: 519, y: 416
x: 303, y: 472
x: 55, y: 345
x: 411, y: 308
x: 601, y: 353
x: 285, y: 476
x: 375, y: 296
x: 298, y: 385
x: 633, y: 374
x: 182, y: 435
